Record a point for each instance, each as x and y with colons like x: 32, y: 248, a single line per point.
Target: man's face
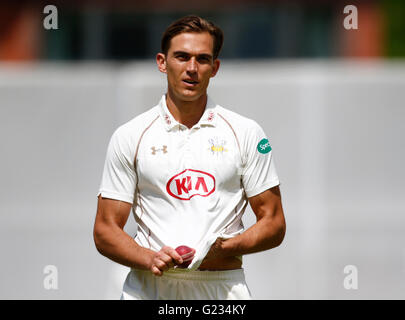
x: 189, y: 65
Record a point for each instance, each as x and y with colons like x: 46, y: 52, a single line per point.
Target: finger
x: 156, y: 271
x: 176, y: 258
x: 166, y: 259
x: 162, y: 265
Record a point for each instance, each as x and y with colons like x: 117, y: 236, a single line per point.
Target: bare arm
x: 114, y: 243
x: 268, y: 231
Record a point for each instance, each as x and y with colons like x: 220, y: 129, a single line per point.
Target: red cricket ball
x: 187, y: 254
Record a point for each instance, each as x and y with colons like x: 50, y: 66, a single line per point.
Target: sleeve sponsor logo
x: 190, y: 183
x: 264, y: 146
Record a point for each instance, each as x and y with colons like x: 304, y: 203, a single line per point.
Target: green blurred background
x: 126, y: 30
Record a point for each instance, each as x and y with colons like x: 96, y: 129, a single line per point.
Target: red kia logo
x: 190, y: 183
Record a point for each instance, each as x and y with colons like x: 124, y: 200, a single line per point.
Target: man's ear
x: 216, y: 65
x: 161, y: 62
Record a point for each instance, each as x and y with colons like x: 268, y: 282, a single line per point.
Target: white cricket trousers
x: 182, y: 284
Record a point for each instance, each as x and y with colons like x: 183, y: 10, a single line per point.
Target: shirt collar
x: 209, y: 117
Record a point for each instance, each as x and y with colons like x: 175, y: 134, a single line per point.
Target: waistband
x: 205, y: 275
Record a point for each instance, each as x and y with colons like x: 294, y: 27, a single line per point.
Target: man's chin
x: 190, y: 96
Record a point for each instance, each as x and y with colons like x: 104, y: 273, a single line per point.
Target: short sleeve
x: 119, y: 178
x: 259, y: 171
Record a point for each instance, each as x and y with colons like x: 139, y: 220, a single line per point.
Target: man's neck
x: 186, y: 112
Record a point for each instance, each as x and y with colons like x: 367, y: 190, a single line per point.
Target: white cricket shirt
x: 188, y: 186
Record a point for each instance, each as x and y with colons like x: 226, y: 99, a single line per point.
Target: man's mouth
x: 190, y: 82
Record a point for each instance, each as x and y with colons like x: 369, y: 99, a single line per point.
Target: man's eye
x: 204, y: 59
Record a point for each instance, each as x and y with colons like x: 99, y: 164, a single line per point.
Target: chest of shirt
x: 184, y: 163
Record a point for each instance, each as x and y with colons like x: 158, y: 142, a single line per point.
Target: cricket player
x: 187, y: 168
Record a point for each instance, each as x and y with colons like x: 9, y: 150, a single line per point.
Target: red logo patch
x: 190, y: 183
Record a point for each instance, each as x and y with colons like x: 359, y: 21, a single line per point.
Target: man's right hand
x: 163, y: 260
x: 114, y: 243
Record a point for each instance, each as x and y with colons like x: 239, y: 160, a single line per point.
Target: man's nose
x: 192, y: 65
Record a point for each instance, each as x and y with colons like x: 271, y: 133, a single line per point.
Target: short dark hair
x: 193, y: 23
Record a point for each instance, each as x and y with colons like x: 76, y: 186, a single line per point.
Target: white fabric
x: 186, y: 285
x: 192, y: 184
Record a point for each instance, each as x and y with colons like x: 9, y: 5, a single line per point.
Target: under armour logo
x: 163, y: 149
